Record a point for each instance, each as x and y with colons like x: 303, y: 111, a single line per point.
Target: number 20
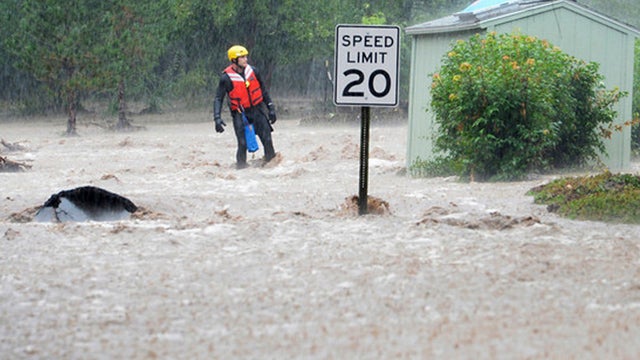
x: 360, y: 79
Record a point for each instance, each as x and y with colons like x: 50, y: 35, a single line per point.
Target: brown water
x: 269, y: 262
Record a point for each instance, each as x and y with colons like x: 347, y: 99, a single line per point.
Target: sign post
x: 365, y: 119
x: 366, y: 74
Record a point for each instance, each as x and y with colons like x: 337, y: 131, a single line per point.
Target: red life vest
x: 246, y: 90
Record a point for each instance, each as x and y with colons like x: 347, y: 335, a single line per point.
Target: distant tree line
x: 57, y: 54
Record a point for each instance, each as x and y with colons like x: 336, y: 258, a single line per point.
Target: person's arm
x: 224, y: 86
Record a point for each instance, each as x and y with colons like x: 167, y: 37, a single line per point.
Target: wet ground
x: 272, y: 262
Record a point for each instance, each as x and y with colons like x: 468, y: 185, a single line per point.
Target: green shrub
x: 509, y: 104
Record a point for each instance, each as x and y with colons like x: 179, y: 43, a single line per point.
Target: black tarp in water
x: 87, y: 203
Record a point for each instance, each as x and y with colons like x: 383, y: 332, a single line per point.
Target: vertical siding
x: 426, y: 56
x: 574, y: 32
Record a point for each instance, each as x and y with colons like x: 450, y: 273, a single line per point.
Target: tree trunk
x: 123, y: 123
x: 71, y: 110
x: 72, y: 93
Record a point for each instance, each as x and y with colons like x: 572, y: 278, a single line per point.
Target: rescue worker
x: 246, y: 91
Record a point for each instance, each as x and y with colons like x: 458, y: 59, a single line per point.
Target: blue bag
x: 249, y: 135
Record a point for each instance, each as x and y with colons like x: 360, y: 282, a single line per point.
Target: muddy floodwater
x: 273, y: 263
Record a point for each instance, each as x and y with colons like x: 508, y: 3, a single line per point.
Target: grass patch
x: 603, y: 197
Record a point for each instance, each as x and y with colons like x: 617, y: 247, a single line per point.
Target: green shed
x: 575, y: 28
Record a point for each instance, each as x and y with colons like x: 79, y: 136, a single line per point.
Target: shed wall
x: 427, y: 52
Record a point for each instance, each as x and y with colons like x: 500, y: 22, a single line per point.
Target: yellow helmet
x: 236, y: 51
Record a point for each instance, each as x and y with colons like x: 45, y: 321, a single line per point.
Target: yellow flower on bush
x: 491, y: 85
x: 465, y: 66
x: 436, y: 80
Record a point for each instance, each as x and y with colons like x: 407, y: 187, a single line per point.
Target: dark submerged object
x: 85, y: 204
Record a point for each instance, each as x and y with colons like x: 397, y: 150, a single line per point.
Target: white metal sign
x: 366, y: 65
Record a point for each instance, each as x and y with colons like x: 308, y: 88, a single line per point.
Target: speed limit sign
x: 366, y: 65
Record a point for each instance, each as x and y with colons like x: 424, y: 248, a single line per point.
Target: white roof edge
x: 443, y: 29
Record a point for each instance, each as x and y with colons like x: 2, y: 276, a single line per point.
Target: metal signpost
x: 366, y: 74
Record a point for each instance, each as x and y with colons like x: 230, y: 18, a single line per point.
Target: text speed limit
x: 366, y: 65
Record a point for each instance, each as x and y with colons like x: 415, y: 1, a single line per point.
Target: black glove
x: 219, y: 124
x: 272, y: 114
